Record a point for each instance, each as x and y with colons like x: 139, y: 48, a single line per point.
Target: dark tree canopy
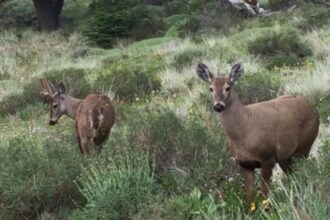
x: 48, y: 13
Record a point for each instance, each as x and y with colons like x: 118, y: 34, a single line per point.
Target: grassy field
x: 167, y: 156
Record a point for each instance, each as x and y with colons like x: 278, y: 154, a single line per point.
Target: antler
x: 48, y: 89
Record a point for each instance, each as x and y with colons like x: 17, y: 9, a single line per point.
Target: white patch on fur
x: 101, y: 119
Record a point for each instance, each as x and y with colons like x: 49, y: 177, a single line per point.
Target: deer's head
x: 220, y: 87
x: 56, y: 99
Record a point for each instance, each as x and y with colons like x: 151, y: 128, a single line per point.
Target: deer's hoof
x: 252, y: 207
x: 266, y: 203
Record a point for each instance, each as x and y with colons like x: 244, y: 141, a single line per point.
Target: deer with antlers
x: 264, y: 133
x: 94, y: 115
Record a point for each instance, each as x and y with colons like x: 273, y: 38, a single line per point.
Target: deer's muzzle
x: 51, y: 122
x: 219, y: 107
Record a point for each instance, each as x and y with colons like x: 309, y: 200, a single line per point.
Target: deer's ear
x: 61, y: 88
x: 236, y: 72
x: 204, y: 73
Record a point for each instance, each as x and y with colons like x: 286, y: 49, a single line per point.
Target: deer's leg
x: 286, y: 165
x: 266, y: 173
x: 86, y: 144
x: 248, y: 175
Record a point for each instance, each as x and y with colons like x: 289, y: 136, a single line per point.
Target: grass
x: 167, y: 155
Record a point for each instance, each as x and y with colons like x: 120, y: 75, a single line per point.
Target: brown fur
x: 269, y: 132
x: 264, y: 133
x: 94, y: 120
x: 94, y: 115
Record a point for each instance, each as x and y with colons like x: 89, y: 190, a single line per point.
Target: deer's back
x: 95, y: 117
x: 280, y: 126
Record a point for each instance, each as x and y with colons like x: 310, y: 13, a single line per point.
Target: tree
x: 48, y: 13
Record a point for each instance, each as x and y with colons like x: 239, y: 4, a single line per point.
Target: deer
x: 251, y: 6
x: 94, y: 115
x: 261, y: 134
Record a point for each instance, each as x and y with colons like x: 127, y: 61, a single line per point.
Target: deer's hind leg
x: 286, y: 165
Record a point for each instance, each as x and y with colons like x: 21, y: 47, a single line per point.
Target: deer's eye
x: 227, y: 89
x: 54, y: 106
x: 211, y: 90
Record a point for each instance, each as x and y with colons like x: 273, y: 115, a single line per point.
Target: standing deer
x: 94, y: 115
x: 262, y: 134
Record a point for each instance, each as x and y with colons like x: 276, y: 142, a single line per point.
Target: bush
x: 280, y: 4
x: 130, y: 80
x: 187, y: 57
x: 117, y: 19
x: 77, y: 86
x: 37, y: 176
x: 315, y: 17
x: 115, y: 188
x: 17, y: 13
x: 184, y: 153
x: 280, y: 48
x: 206, y: 18
x: 258, y: 87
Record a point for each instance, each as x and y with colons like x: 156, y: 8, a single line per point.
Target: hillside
x: 167, y: 155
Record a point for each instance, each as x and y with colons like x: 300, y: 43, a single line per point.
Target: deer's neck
x: 72, y: 106
x: 235, y: 117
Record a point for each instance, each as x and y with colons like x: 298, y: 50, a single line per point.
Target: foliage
x: 37, y: 176
x: 280, y: 4
x: 206, y: 18
x: 17, y: 13
x: 187, y: 57
x: 115, y: 19
x: 115, y: 188
x: 258, y: 86
x: 130, y: 80
x: 283, y: 48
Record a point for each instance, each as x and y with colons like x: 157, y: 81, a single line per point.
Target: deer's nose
x: 51, y: 122
x: 218, y: 107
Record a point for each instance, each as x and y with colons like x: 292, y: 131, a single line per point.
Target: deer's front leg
x: 248, y: 175
x: 266, y: 172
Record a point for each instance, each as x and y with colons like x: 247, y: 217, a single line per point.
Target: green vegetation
x: 167, y: 155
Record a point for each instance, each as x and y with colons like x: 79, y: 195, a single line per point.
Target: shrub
x: 117, y: 19
x: 184, y: 153
x: 130, y: 80
x: 280, y: 48
x: 259, y: 86
x: 187, y: 57
x: 73, y: 78
x: 314, y: 18
x: 16, y: 13
x: 37, y: 176
x: 280, y: 4
x: 206, y: 18
x: 115, y: 188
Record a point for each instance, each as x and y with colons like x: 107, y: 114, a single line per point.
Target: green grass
x: 167, y: 155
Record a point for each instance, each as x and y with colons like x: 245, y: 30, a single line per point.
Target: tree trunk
x: 48, y: 13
